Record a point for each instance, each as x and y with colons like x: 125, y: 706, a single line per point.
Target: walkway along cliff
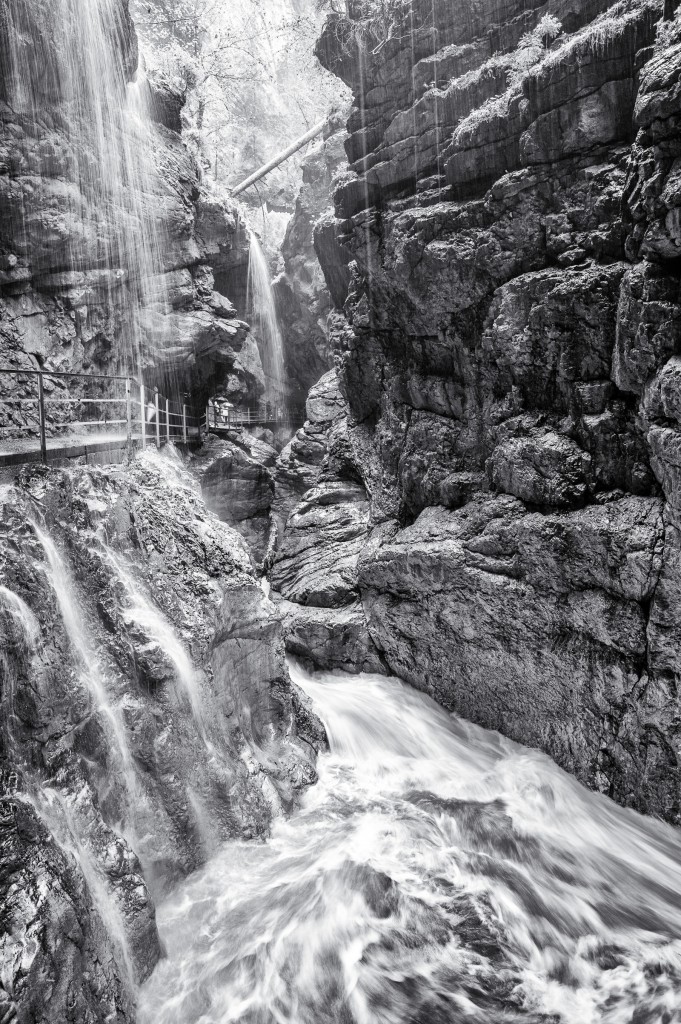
x: 484, y: 500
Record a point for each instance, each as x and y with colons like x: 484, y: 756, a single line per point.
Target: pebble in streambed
x: 437, y: 873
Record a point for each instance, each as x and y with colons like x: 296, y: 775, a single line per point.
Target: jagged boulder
x: 147, y: 715
x: 535, y: 625
x: 544, y: 469
x: 324, y: 516
x: 299, y: 464
x: 238, y: 487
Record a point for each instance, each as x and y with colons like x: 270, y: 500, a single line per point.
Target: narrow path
x: 14, y: 451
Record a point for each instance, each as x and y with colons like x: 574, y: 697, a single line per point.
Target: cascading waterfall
x: 74, y: 60
x: 91, y: 674
x: 438, y: 873
x: 23, y: 630
x: 61, y: 818
x: 262, y: 310
x: 204, y: 825
x: 141, y: 611
x: 19, y: 610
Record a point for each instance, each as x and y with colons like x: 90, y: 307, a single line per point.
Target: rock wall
x: 509, y: 355
x: 323, y: 517
x: 109, y: 244
x: 146, y: 715
x: 237, y: 484
x: 301, y: 293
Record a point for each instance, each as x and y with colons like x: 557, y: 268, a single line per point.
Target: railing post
x: 128, y: 413
x: 184, y: 423
x: 143, y: 414
x: 41, y: 409
x: 167, y: 421
x: 158, y: 418
x: 207, y: 419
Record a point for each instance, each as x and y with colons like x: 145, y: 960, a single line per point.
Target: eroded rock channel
x: 340, y: 550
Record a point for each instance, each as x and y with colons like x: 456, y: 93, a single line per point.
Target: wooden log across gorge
x: 281, y: 157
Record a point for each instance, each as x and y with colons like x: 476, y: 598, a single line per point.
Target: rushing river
x: 437, y: 873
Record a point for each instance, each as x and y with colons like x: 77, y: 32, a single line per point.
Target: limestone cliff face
x: 301, y: 292
x: 324, y: 521
x: 108, y: 242
x: 146, y: 715
x: 511, y: 364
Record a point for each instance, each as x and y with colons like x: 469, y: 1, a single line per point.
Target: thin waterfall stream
x: 141, y: 611
x: 90, y: 671
x: 62, y: 819
x: 437, y: 872
x: 261, y: 303
x: 109, y: 227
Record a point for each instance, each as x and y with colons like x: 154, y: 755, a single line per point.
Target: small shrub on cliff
x: 468, y: 127
x: 668, y: 32
x: 599, y: 37
x: 532, y: 47
x: 368, y: 23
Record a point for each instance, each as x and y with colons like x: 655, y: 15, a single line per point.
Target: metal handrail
x: 183, y: 422
x: 63, y: 373
x: 241, y: 417
x: 168, y: 419
x: 83, y: 401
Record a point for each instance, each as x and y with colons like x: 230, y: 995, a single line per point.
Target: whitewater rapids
x: 437, y: 873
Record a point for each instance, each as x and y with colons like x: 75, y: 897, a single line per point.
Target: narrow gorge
x: 340, y: 542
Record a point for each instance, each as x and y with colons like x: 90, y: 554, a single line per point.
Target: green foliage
x: 532, y: 47
x: 251, y: 80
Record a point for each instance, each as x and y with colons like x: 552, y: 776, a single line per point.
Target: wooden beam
x: 281, y: 157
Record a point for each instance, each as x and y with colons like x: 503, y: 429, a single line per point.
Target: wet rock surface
x: 109, y: 242
x: 508, y: 354
x: 59, y: 962
x: 147, y: 716
x: 539, y: 619
x: 301, y: 293
x: 323, y: 513
x: 237, y: 484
